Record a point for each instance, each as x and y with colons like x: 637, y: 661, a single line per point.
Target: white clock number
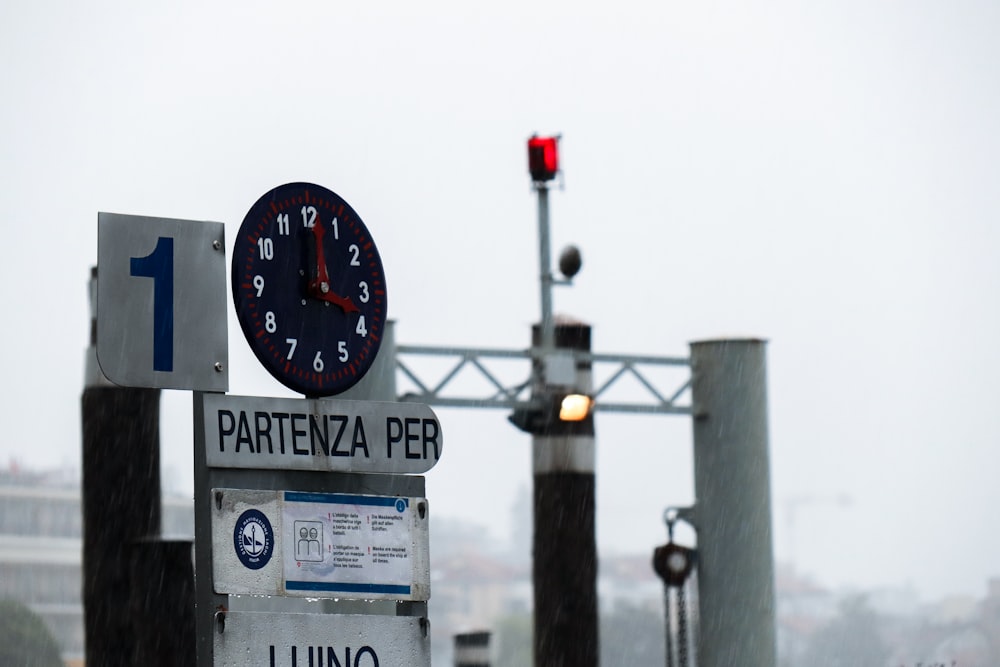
x: 258, y: 283
x: 364, y: 292
x: 318, y: 363
x: 283, y: 224
x: 292, y: 342
x: 355, y: 252
x: 269, y: 323
x: 266, y: 246
x: 336, y: 230
x: 342, y: 349
x: 308, y: 216
x: 361, y: 327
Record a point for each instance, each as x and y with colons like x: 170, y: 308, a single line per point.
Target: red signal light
x: 543, y: 158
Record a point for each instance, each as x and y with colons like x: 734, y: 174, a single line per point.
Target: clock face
x: 309, y: 289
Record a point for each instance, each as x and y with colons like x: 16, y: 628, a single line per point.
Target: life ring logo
x: 253, y: 539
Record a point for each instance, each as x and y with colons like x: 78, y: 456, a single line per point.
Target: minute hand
x: 320, y: 288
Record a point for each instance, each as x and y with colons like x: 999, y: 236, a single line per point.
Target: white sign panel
x: 319, y: 434
x: 265, y: 639
x: 320, y: 545
x: 161, y: 302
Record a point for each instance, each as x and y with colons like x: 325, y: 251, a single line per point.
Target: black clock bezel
x: 317, y: 325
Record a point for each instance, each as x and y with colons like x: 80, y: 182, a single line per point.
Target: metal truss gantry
x: 619, y: 366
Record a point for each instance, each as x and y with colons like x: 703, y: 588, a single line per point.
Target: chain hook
x: 670, y: 516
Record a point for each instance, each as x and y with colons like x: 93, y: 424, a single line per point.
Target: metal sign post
x: 294, y: 559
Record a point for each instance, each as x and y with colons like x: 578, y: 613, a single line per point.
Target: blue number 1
x: 159, y: 265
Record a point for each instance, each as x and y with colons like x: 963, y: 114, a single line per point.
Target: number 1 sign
x: 161, y: 302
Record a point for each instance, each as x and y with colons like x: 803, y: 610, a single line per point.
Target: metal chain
x: 676, y: 607
x: 682, y: 634
x: 668, y: 614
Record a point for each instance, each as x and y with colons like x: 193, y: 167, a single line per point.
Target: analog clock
x: 309, y: 289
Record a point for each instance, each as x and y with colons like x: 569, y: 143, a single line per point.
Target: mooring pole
x: 472, y: 649
x: 138, y: 590
x: 564, y: 559
x: 121, y: 502
x: 733, y: 504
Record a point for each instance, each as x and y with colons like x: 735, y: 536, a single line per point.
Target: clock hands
x: 320, y: 287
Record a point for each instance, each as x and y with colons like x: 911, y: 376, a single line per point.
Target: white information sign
x: 265, y: 639
x: 161, y: 302
x: 320, y: 545
x: 318, y: 434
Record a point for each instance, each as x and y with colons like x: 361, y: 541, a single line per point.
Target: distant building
x: 41, y: 531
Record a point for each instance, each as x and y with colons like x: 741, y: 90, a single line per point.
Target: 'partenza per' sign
x: 318, y: 434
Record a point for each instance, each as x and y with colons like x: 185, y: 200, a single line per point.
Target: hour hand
x: 319, y: 287
x: 344, y: 302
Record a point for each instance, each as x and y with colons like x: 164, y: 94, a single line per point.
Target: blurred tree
x: 24, y: 639
x: 850, y: 640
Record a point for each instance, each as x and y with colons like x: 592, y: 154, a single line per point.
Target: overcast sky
x: 822, y: 174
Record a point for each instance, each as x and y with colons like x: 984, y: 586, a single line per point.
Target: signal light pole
x: 543, y: 164
x: 732, y: 513
x: 564, y: 558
